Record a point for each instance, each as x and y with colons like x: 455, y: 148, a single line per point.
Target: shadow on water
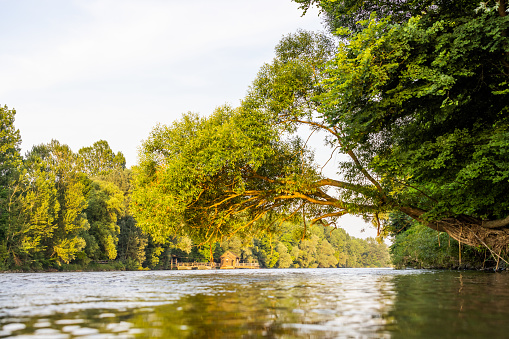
x: 318, y: 303
x: 450, y: 305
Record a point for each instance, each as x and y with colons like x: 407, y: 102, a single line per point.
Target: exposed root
x: 476, y: 235
x: 467, y: 230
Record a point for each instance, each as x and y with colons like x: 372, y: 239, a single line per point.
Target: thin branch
x: 328, y: 215
x: 493, y: 253
x: 332, y: 153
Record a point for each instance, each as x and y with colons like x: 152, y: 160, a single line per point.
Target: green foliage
x: 351, y: 13
x: 99, y: 159
x: 325, y: 255
x: 53, y: 214
x: 284, y: 259
x: 194, y: 176
x: 70, y: 187
x: 41, y: 208
x: 105, y: 206
x: 284, y: 89
x: 421, y: 247
x: 408, y: 97
x: 132, y: 242
x: 10, y: 160
x: 10, y: 141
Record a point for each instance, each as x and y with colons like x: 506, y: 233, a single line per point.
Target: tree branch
x: 496, y: 223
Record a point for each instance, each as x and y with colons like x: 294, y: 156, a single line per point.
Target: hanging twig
x: 304, y: 220
x: 332, y: 153
x: 492, y: 253
x: 459, y: 245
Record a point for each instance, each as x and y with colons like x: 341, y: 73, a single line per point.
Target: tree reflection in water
x: 450, y: 304
x: 283, y: 303
x: 299, y: 303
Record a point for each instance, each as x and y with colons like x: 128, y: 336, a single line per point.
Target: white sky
x: 83, y: 70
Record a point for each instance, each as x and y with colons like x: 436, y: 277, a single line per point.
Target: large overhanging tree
x: 418, y: 103
x: 424, y: 101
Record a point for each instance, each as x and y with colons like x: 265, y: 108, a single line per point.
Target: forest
x: 412, y: 94
x: 67, y: 210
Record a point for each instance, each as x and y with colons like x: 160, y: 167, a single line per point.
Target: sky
x: 80, y: 71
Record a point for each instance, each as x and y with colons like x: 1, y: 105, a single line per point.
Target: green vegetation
x: 413, y: 95
x: 418, y: 246
x: 417, y: 101
x: 71, y: 211
x: 63, y: 210
x: 289, y: 248
x: 419, y: 92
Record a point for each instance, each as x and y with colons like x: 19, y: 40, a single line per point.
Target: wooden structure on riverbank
x: 228, y: 261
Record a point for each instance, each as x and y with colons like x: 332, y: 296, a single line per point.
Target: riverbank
x: 91, y: 267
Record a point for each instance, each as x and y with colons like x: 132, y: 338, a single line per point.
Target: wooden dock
x: 196, y: 265
x: 213, y: 265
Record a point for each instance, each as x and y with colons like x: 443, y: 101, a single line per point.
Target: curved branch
x: 332, y: 153
x: 329, y: 215
x: 349, y: 152
x: 366, y: 174
x: 342, y: 184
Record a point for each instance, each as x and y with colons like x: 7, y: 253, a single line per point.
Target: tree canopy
x: 55, y: 208
x: 415, y: 94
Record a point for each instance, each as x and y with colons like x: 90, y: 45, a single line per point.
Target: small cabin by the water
x: 229, y: 260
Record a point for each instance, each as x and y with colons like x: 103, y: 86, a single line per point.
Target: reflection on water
x: 305, y: 303
x: 451, y: 305
x: 311, y: 302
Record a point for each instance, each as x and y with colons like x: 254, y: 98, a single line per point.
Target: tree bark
x: 467, y: 230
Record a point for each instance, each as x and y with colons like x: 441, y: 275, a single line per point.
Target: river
x: 283, y: 303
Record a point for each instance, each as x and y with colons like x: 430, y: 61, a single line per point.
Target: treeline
x: 58, y: 207
x: 61, y: 209
x: 320, y: 247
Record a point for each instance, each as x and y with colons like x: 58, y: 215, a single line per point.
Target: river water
x: 291, y: 303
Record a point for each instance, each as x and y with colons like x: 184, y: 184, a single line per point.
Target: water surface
x: 292, y: 303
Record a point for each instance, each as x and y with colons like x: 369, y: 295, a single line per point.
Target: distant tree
x: 71, y: 188
x: 247, y: 254
x: 284, y: 258
x: 131, y: 242
x: 10, y: 158
x: 307, y: 255
x: 105, y: 207
x: 41, y: 209
x: 295, y: 254
x: 99, y: 159
x: 325, y: 255
x: 10, y: 162
x: 233, y: 244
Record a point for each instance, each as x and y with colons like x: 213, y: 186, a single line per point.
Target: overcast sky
x: 83, y: 70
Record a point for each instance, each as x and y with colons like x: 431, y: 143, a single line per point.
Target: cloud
x: 84, y: 70
x: 110, y: 38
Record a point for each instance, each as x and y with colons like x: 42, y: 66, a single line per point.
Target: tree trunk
x: 467, y: 230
